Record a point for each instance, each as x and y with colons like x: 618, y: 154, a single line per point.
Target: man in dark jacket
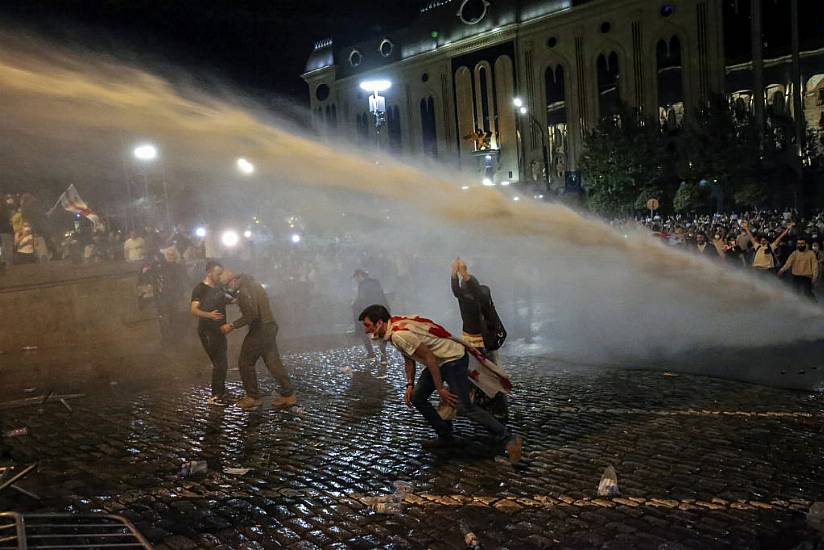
x: 260, y: 341
x: 6, y: 234
x: 369, y: 292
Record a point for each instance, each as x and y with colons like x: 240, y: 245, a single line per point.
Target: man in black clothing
x: 6, y: 233
x: 370, y: 292
x: 704, y: 248
x: 260, y: 341
x: 209, y: 306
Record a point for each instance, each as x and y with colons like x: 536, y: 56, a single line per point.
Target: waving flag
x: 70, y: 200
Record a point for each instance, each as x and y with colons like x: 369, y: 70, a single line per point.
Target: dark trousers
x: 455, y: 375
x: 214, y: 342
x: 261, y: 341
x: 803, y: 285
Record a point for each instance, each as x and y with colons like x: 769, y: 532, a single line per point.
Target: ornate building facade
x: 457, y: 70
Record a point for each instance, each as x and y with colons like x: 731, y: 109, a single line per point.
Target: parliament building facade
x: 457, y: 70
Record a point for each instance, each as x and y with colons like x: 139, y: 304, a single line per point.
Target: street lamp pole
x: 377, y: 103
x: 519, y: 105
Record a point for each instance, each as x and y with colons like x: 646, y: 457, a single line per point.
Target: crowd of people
x: 772, y: 243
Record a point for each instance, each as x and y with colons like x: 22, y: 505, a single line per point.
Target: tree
x: 622, y: 157
x: 717, y: 148
x: 690, y: 197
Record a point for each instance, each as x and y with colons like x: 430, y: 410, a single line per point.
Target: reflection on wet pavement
x: 700, y: 462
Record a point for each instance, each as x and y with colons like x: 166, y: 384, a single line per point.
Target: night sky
x: 260, y: 46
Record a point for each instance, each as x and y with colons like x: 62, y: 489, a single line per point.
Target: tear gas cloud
x: 597, y: 294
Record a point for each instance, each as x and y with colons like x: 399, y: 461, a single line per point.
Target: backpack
x: 492, y: 328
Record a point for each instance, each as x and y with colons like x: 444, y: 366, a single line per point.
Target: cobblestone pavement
x: 701, y: 463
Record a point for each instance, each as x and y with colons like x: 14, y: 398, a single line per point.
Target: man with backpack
x: 482, y: 328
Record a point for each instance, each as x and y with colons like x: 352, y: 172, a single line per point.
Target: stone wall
x: 62, y: 305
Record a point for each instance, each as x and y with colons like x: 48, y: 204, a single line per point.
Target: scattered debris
x: 300, y: 411
x: 236, y: 471
x: 193, y: 467
x: 47, y: 396
x: 392, y: 504
x: 345, y: 370
x: 18, y: 476
x: 29, y: 348
x: 608, y: 487
x: 25, y: 492
x: 17, y: 432
x: 502, y: 460
x: 815, y: 517
x: 403, y: 487
x: 30, y: 390
x: 470, y: 539
x: 66, y: 404
x: 671, y: 375
x: 37, y: 400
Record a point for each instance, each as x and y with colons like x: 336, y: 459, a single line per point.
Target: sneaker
x: 440, y: 442
x: 281, y: 402
x: 217, y: 401
x: 514, y: 448
x: 249, y: 403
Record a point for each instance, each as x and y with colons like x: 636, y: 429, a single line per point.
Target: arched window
x: 556, y: 119
x: 670, y: 76
x: 609, y: 74
x: 429, y: 130
x: 393, y: 123
x: 485, y: 91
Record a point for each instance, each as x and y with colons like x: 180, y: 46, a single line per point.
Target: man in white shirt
x: 134, y: 249
x: 423, y: 341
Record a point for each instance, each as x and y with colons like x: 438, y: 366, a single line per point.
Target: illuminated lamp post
x: 524, y: 112
x: 377, y: 103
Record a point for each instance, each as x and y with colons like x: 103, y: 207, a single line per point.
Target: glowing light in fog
x: 247, y: 234
x: 245, y: 166
x: 200, y: 232
x: 295, y: 238
x: 146, y: 151
x: 488, y: 182
x: 375, y: 86
x: 230, y: 238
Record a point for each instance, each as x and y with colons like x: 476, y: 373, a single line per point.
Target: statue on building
x: 481, y: 139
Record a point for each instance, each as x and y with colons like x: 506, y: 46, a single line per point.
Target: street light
x: 147, y: 152
x: 377, y: 103
x: 230, y: 238
x: 245, y: 167
x: 519, y: 104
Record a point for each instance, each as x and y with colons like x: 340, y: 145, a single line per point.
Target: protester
x: 370, y: 292
x: 134, y: 249
x: 803, y: 264
x: 171, y: 295
x: 765, y: 251
x: 6, y: 232
x: 209, y: 306
x: 260, y: 342
x: 482, y: 329
x: 24, y: 245
x: 704, y: 248
x: 445, y: 371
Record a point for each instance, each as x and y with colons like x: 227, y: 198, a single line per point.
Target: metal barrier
x: 65, y: 531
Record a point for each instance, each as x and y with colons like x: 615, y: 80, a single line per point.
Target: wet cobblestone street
x: 701, y: 463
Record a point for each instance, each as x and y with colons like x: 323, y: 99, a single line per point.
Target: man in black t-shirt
x: 209, y: 306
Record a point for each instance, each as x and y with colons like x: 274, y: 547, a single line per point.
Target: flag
x: 70, y: 200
